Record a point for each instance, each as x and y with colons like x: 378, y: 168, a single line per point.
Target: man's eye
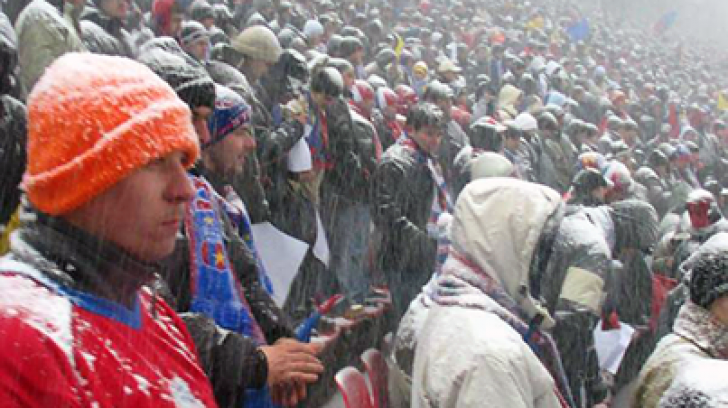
x: 157, y: 162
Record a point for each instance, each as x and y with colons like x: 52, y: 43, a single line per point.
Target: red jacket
x: 60, y: 348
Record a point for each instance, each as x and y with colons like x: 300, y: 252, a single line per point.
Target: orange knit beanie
x: 92, y: 121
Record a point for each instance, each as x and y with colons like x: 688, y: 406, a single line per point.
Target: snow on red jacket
x: 60, y: 348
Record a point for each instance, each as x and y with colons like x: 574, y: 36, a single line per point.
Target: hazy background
x: 705, y: 19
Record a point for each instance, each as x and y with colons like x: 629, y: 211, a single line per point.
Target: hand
x: 292, y: 362
x: 297, y: 110
x: 307, y: 176
x: 288, y: 395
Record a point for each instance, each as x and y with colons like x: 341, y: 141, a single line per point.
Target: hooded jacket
x: 45, y: 32
x: 470, y: 349
x: 507, y: 99
x: 697, y: 336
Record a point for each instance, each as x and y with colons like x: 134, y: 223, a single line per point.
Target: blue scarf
x: 216, y: 291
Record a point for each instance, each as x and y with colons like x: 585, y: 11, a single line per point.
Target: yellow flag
x: 399, y: 47
x: 722, y: 102
x: 537, y: 23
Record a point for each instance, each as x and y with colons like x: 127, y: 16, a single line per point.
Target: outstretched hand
x: 291, y: 366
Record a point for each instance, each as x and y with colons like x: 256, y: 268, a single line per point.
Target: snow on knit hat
x: 193, y: 31
x: 92, y: 121
x: 709, y: 278
x: 231, y: 113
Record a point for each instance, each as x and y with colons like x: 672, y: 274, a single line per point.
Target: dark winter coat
x: 460, y: 174
x: 402, y: 193
x: 229, y: 359
x: 578, y: 271
x: 658, y: 189
x: 8, y: 59
x: 453, y: 141
x: 351, y: 143
x: 13, y: 128
x: 13, y: 125
x: 556, y: 163
x: 387, y: 134
x: 102, y: 34
x: 528, y: 155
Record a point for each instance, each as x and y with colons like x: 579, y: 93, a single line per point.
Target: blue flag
x: 665, y: 22
x: 579, y: 31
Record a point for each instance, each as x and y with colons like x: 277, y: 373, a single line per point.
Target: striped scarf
x: 463, y: 271
x: 216, y: 291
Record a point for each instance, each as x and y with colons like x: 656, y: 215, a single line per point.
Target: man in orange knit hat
x: 109, y: 145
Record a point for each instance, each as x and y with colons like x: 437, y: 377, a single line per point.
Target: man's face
x: 153, y: 197
x: 548, y: 132
x: 115, y: 8
x: 599, y: 194
x: 208, y: 23
x: 349, y: 77
x: 367, y: 105
x: 258, y: 68
x: 200, y: 114
x: 445, y: 104
x: 630, y: 136
x: 358, y: 57
x: 321, y: 100
x: 719, y: 309
x: 449, y: 76
x: 429, y: 138
x: 175, y: 24
x: 512, y: 143
x: 199, y: 49
x: 314, y: 41
x: 228, y: 156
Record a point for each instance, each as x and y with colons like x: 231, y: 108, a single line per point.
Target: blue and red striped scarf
x: 216, y: 290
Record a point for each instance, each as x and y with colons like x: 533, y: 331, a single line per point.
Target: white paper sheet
x: 299, y: 157
x: 321, y: 246
x: 281, y: 254
x: 611, y: 345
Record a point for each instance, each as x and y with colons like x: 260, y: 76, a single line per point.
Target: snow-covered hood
x: 497, y: 225
x: 507, y: 98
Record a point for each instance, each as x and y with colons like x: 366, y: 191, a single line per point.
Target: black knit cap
x: 191, y: 82
x: 709, y: 279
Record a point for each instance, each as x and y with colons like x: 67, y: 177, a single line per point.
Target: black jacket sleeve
x: 388, y: 214
x: 231, y: 361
